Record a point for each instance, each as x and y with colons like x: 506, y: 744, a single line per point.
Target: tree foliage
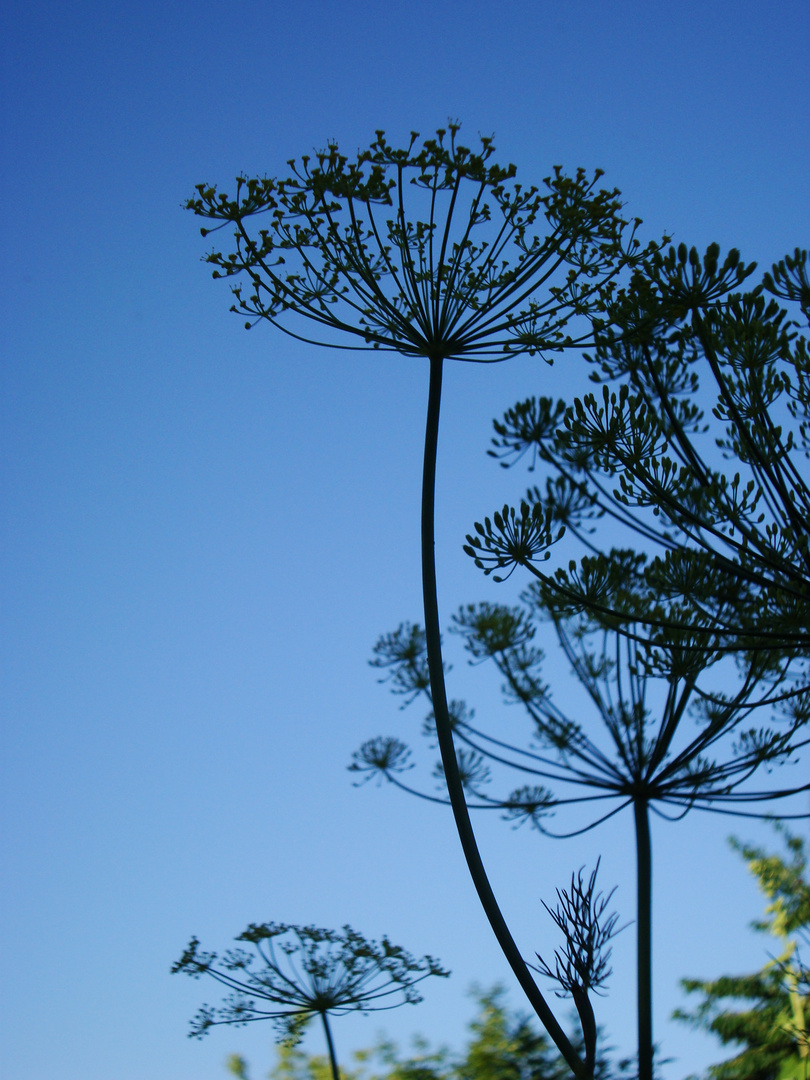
x: 504, y: 1045
x: 773, y: 1026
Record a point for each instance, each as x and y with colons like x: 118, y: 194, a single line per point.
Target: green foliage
x: 503, y: 1046
x: 773, y: 1027
x: 292, y: 1063
x: 506, y: 1047
x: 237, y: 1066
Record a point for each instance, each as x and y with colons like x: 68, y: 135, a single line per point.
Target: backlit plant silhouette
x: 582, y: 966
x: 431, y: 251
x: 653, y: 741
x: 695, y: 660
x: 725, y: 591
x: 295, y: 973
x: 704, y: 375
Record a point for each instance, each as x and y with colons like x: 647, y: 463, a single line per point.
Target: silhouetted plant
x: 582, y: 966
x: 729, y: 576
x: 294, y: 973
x: 429, y: 251
x: 733, y: 550
x: 661, y: 743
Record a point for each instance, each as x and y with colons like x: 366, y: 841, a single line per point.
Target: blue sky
x: 205, y: 530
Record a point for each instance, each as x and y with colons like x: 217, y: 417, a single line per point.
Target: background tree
x: 504, y: 1045
x: 295, y: 973
x: 774, y: 1028
x: 292, y: 1063
x: 432, y: 252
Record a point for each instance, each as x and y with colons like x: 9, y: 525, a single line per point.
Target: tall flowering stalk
x: 294, y: 973
x: 431, y: 251
x: 696, y: 448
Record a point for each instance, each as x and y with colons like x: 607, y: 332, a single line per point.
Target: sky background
x: 205, y: 531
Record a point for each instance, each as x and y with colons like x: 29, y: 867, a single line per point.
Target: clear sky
x: 205, y: 531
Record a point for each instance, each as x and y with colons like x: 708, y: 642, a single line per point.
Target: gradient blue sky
x: 204, y: 530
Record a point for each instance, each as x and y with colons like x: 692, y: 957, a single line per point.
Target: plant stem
x: 331, y: 1046
x: 644, y: 938
x: 444, y: 733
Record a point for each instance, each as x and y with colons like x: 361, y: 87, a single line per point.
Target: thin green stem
x: 331, y: 1046
x: 444, y: 733
x: 644, y: 939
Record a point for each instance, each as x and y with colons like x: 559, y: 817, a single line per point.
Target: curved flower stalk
x: 430, y: 251
x: 656, y: 740
x: 294, y: 973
